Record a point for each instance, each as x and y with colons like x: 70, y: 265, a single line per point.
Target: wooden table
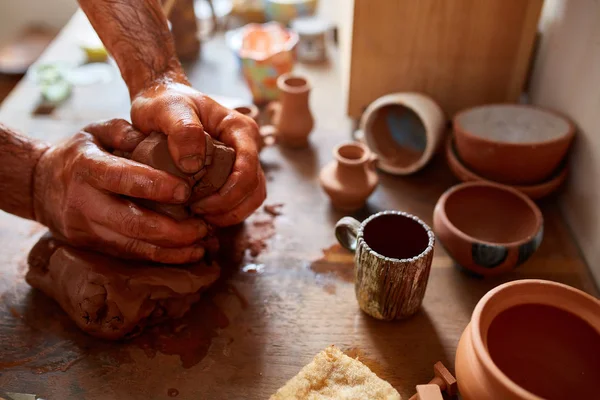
x: 280, y: 312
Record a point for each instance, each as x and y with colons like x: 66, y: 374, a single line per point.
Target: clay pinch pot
x: 290, y: 117
x: 487, y: 228
x: 531, y: 340
x: 393, y: 255
x: 404, y: 130
x: 534, y: 191
x: 512, y: 143
x: 249, y: 110
x: 350, y: 178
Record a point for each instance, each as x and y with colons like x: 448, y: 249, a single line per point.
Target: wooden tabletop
x: 274, y: 312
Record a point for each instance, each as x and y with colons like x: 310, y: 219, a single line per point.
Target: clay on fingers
x: 154, y: 151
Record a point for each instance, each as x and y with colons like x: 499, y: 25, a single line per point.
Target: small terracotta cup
x: 531, y: 340
x: 512, y: 143
x: 393, y: 254
x: 249, y: 110
x: 487, y: 228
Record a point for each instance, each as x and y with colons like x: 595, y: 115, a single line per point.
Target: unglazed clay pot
x: 249, y: 110
x: 487, y: 228
x: 533, y: 191
x: 291, y: 115
x: 531, y: 340
x: 393, y: 254
x: 512, y: 143
x: 404, y: 130
x: 351, y: 178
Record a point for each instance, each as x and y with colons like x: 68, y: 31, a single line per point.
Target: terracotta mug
x: 393, y: 254
x: 291, y: 116
x: 531, y: 339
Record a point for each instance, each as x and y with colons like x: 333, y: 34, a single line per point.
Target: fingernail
x: 182, y: 192
x: 198, y: 252
x: 190, y: 164
x: 203, y: 229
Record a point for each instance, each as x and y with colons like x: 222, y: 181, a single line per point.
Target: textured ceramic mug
x: 393, y: 254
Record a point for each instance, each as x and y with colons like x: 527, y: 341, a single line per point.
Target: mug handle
x: 346, y: 232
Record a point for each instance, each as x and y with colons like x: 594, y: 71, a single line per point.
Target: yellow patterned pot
x: 284, y: 11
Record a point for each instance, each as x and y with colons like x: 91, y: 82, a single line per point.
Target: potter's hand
x: 76, y: 194
x: 184, y: 114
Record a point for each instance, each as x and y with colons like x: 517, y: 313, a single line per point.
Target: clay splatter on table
x: 336, y: 261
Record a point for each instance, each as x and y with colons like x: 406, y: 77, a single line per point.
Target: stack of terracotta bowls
x: 516, y: 145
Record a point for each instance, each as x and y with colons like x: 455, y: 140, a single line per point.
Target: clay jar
x: 291, y: 115
x: 404, y: 130
x: 531, y: 339
x: 350, y: 178
x: 249, y: 110
x: 487, y: 228
x: 393, y: 254
x: 512, y: 143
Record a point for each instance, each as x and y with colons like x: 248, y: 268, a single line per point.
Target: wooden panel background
x: 460, y: 52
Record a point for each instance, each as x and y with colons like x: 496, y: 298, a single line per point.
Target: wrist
x: 173, y: 73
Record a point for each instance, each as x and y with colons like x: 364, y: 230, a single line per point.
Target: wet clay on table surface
x: 110, y: 298
x: 154, y: 151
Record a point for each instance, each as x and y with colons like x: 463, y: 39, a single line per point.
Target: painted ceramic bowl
x: 487, y: 228
x: 531, y: 340
x: 512, y: 143
x: 284, y: 11
x: 266, y: 53
x: 534, y: 192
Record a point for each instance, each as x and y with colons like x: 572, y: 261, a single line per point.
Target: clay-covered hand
x: 184, y: 114
x: 77, y: 194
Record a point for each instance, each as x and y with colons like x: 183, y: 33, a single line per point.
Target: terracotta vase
x: 512, y: 143
x: 531, y: 339
x: 404, y: 130
x: 291, y: 115
x: 393, y: 254
x: 487, y: 228
x: 351, y: 178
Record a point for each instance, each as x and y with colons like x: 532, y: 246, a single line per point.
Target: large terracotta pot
x: 350, y: 178
x: 291, y: 115
x: 512, y: 143
x: 531, y: 339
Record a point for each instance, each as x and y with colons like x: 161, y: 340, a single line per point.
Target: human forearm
x: 136, y: 34
x: 19, y: 155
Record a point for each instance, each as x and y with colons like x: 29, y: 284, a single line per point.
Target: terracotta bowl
x: 534, y: 191
x: 531, y: 340
x: 487, y: 228
x: 512, y: 143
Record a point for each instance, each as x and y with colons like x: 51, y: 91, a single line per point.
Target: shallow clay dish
x: 512, y: 143
x: 534, y: 191
x: 487, y: 228
x: 531, y: 340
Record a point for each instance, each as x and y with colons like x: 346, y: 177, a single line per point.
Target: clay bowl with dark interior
x: 531, y: 340
x: 533, y: 191
x: 487, y: 228
x: 512, y: 143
